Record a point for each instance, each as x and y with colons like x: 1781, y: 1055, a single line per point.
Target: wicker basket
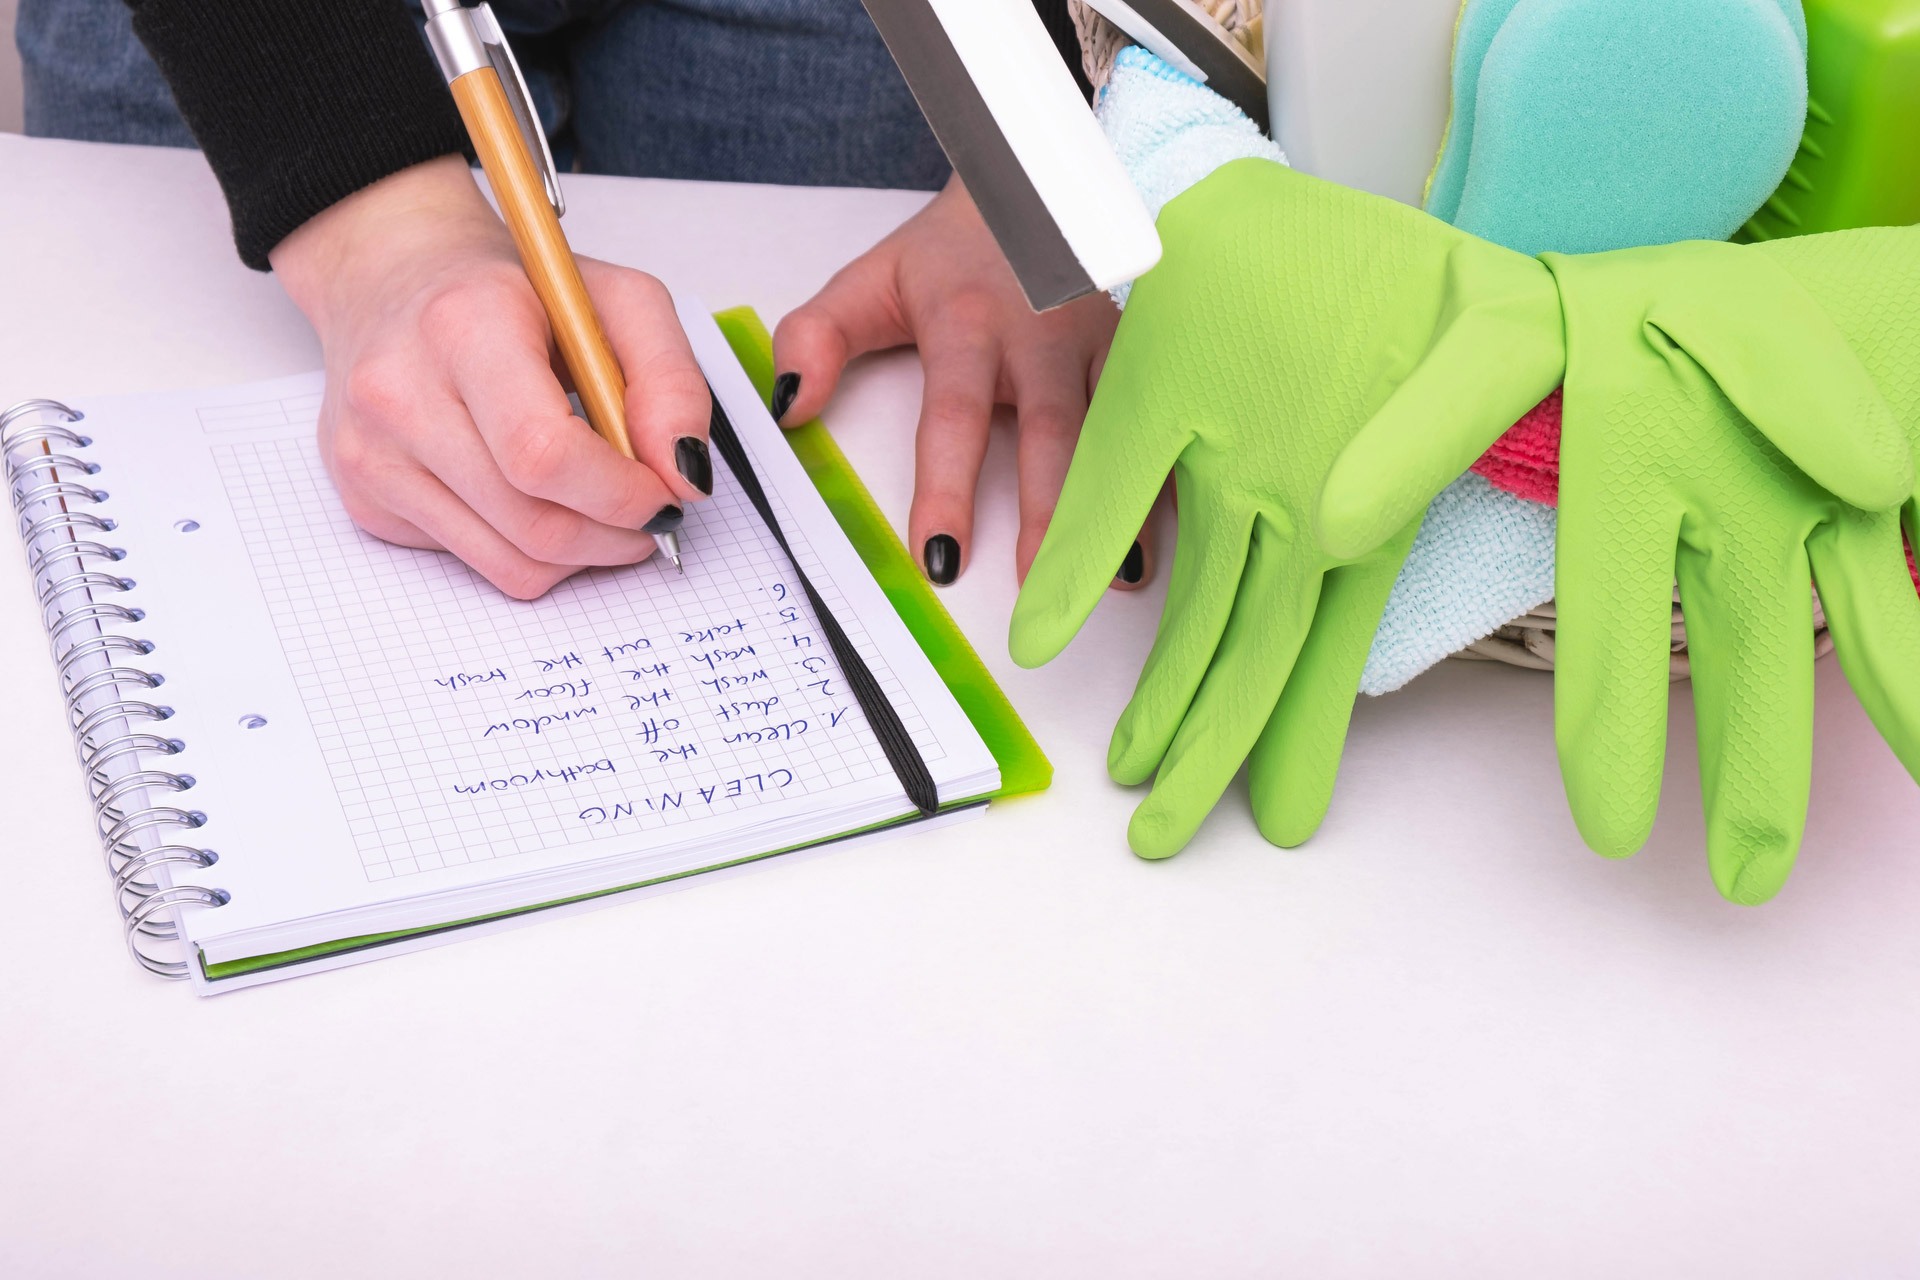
x: 1528, y: 642
x: 1101, y: 41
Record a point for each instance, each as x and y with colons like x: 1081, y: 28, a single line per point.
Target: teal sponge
x: 1586, y: 125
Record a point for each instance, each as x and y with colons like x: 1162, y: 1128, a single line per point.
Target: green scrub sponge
x: 1558, y: 105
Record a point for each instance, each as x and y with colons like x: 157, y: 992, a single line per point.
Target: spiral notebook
x: 306, y: 747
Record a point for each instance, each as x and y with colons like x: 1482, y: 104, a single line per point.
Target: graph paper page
x: 370, y: 722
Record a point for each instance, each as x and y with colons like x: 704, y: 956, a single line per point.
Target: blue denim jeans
x: 789, y: 91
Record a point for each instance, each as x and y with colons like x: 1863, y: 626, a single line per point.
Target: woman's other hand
x: 940, y: 283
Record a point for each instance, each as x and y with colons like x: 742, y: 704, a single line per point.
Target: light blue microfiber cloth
x: 1582, y: 126
x: 1170, y: 131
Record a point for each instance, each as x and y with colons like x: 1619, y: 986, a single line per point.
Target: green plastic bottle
x: 1859, y: 163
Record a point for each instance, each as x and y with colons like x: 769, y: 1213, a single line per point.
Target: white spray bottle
x: 1360, y: 90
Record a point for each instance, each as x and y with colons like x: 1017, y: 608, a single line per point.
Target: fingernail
x: 1134, y: 567
x: 695, y: 463
x: 785, y: 388
x: 669, y: 519
x: 943, y: 559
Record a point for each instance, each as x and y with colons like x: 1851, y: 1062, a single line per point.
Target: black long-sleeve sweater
x: 299, y: 103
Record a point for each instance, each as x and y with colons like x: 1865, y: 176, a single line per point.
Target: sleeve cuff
x: 299, y: 104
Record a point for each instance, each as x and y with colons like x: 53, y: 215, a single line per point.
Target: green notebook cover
x: 1024, y: 769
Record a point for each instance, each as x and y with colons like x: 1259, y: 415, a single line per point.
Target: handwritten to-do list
x: 459, y: 725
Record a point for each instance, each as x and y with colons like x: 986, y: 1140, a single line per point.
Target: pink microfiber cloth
x: 1526, y: 461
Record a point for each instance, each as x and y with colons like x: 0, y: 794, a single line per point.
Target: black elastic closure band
x: 894, y: 739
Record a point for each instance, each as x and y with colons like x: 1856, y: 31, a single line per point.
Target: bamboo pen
x: 494, y: 104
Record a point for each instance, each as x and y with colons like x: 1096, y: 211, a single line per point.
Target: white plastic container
x: 1360, y: 89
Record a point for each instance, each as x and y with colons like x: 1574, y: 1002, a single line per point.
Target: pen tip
x: 679, y: 565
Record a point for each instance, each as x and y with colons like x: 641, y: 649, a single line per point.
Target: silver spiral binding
x: 70, y: 557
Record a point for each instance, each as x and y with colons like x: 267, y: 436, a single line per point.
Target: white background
x: 1441, y: 1040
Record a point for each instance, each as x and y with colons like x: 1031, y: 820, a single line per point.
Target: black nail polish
x: 669, y: 520
x: 695, y: 463
x: 785, y: 388
x: 1134, y: 567
x: 943, y: 559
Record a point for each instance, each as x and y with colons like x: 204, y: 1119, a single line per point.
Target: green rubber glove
x: 1676, y: 357
x: 1285, y: 314
x: 1738, y: 417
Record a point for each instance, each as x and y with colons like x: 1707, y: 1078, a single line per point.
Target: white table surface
x: 1443, y: 1039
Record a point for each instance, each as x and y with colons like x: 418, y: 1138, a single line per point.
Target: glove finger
x: 1868, y: 594
x: 1613, y: 591
x: 1270, y: 616
x: 1749, y: 611
x: 1291, y: 772
x: 1118, y: 469
x: 1493, y: 363
x: 1784, y: 363
x: 1208, y: 562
